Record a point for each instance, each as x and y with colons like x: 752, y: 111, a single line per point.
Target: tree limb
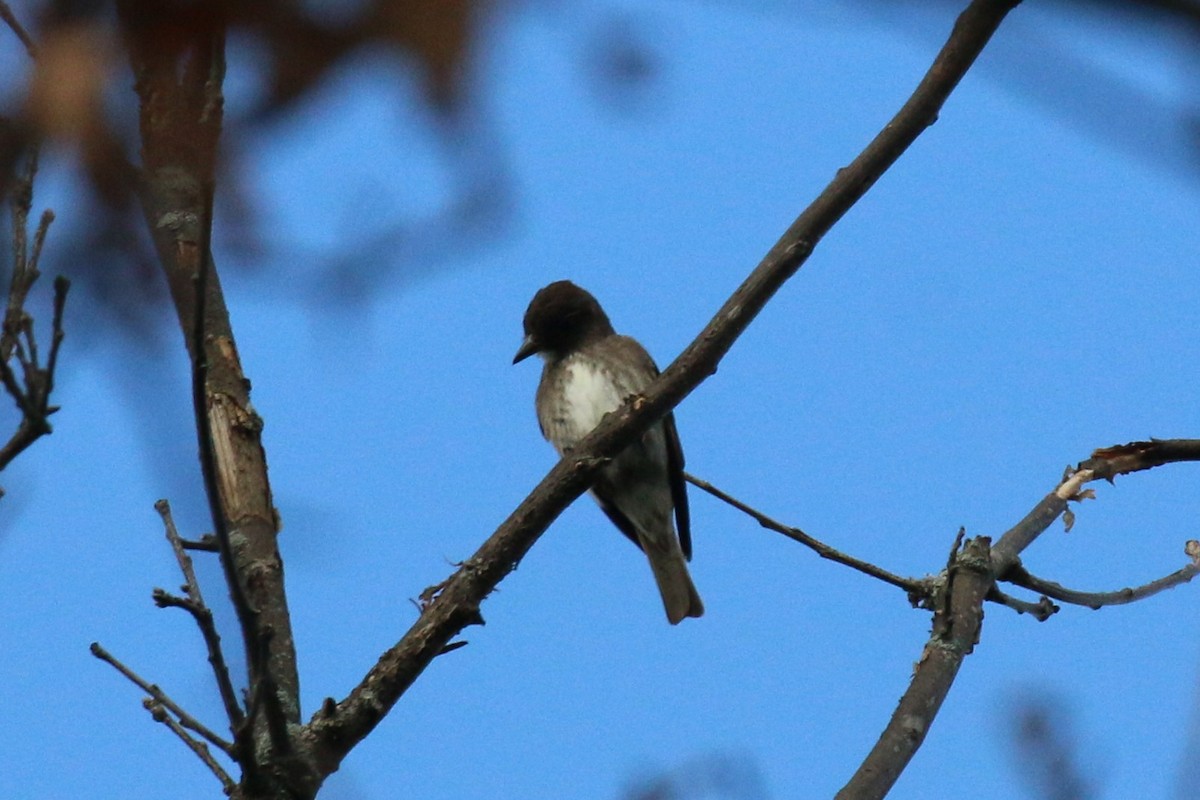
x: 1109, y: 462
x: 177, y: 55
x: 975, y: 582
x: 1019, y: 576
x: 956, y: 625
x: 917, y: 589
x: 337, y: 727
x: 160, y: 697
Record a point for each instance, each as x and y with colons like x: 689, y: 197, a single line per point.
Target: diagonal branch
x: 160, y: 697
x: 337, y: 727
x: 195, y: 605
x: 159, y: 714
x: 1016, y: 539
x: 917, y: 589
x: 10, y: 19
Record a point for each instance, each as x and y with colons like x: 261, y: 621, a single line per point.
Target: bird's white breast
x: 589, y: 393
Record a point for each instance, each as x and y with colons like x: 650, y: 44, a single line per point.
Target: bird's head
x: 560, y: 318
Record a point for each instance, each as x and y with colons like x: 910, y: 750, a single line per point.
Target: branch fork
x: 30, y: 383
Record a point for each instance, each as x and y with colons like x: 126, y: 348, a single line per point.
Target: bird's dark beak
x: 527, y: 348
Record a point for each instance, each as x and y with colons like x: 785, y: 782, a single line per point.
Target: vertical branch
x: 30, y: 383
x: 956, y: 624
x: 177, y: 55
x: 200, y: 611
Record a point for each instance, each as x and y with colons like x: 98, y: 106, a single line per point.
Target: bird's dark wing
x: 678, y: 485
x: 600, y: 490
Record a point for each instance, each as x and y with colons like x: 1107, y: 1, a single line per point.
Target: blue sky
x: 1019, y: 289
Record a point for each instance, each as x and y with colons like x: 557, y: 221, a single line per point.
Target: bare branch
x: 196, y: 606
x: 61, y: 287
x: 159, y: 713
x: 336, y: 729
x: 1042, y: 610
x: 32, y: 390
x: 160, y: 697
x: 1008, y: 550
x: 917, y: 589
x: 972, y: 579
x: 10, y: 19
x: 956, y: 628
x: 205, y: 544
x: 1108, y: 462
x: 179, y: 86
x: 1021, y: 577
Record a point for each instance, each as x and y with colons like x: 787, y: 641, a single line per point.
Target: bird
x: 588, y: 371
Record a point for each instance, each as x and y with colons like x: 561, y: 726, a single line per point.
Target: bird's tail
x: 679, y: 595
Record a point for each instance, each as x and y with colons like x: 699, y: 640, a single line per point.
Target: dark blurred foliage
x: 719, y: 777
x: 76, y: 100
x: 73, y: 99
x: 1094, y: 89
x: 292, y: 60
x: 1045, y: 750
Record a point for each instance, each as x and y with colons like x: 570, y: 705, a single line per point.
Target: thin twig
x: 206, y: 544
x: 204, y: 618
x: 913, y: 586
x: 10, y: 19
x: 17, y: 335
x: 9, y: 379
x: 24, y: 273
x: 159, y: 714
x: 1019, y: 576
x: 61, y: 286
x: 1042, y: 610
x: 956, y: 547
x: 159, y: 696
x: 39, y: 237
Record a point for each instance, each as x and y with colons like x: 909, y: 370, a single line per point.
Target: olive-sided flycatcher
x: 590, y: 371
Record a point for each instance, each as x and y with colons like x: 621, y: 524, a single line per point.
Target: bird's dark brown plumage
x: 590, y: 371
